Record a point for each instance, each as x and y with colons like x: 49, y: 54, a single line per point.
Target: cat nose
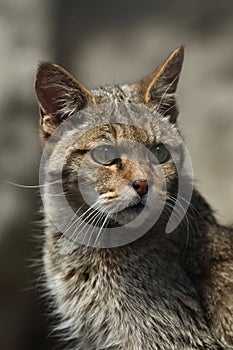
x: 140, y: 186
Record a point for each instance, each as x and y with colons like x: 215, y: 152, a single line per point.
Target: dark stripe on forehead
x: 109, y: 133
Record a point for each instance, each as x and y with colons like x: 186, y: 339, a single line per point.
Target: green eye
x: 159, y: 154
x: 105, y: 154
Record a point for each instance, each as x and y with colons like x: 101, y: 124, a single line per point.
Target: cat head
x: 116, y: 150
x: 60, y: 95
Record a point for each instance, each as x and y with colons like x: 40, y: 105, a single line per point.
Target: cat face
x: 116, y: 150
x: 120, y: 165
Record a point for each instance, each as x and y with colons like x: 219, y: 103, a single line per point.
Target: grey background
x: 102, y: 42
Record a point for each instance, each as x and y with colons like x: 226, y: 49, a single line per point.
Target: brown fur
x: 160, y: 291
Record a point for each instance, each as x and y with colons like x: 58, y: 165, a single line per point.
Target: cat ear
x: 59, y: 95
x: 158, y: 89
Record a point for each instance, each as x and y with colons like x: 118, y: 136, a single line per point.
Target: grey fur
x: 157, y: 293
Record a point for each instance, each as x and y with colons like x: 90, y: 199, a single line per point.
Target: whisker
x: 95, y: 225
x: 101, y: 229
x: 77, y: 220
x: 95, y: 212
x: 31, y: 186
x: 186, y: 217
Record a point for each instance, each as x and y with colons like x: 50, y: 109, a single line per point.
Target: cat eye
x: 159, y: 154
x: 105, y: 154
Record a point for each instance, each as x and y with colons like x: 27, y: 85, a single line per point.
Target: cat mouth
x: 114, y: 213
x: 139, y: 205
x: 130, y: 208
x: 128, y: 214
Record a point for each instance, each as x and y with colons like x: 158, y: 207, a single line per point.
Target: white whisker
x: 32, y: 186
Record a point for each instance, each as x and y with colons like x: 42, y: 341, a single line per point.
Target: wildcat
x: 160, y: 290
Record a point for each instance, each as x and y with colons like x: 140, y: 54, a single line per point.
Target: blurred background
x: 102, y: 42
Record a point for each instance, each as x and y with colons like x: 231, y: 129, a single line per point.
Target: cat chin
x: 128, y: 215
x: 135, y: 216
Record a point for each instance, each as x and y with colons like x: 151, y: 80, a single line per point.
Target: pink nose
x: 140, y: 186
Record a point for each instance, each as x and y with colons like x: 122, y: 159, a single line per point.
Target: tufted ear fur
x: 59, y: 96
x: 158, y: 89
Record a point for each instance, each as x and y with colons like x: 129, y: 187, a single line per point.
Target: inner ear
x: 158, y: 89
x: 59, y: 95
